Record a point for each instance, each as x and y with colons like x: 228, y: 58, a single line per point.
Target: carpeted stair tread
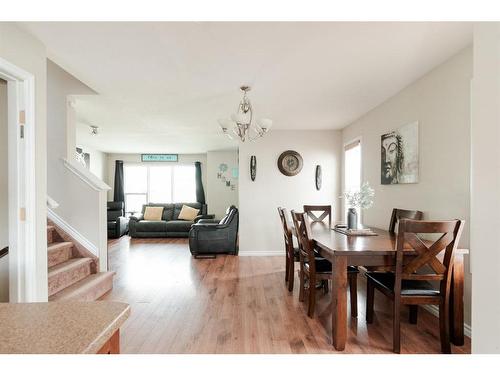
x: 58, y: 252
x: 88, y: 289
x: 67, y: 273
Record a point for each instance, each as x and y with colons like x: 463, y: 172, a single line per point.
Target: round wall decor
x: 290, y: 163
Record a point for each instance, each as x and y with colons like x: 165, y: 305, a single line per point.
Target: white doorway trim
x: 22, y: 184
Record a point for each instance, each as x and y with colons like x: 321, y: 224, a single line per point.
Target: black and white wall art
x: 399, y: 156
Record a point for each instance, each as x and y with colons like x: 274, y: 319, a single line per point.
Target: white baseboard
x: 261, y: 253
x: 82, y: 240
x: 434, y: 310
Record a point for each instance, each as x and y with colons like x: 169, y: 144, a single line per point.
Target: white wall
x: 4, y: 193
x: 485, y: 197
x: 260, y: 226
x: 136, y: 158
x: 440, y: 102
x: 220, y: 196
x: 98, y: 162
x: 80, y: 205
x: 26, y: 52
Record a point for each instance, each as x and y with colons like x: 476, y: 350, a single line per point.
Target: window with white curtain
x: 158, y: 184
x: 352, y: 168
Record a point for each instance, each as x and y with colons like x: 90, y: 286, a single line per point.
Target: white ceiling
x: 162, y: 86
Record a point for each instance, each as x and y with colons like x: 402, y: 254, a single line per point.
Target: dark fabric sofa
x: 170, y: 225
x: 215, y: 237
x: 117, y: 222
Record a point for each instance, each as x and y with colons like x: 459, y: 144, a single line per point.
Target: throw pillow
x: 188, y: 213
x: 153, y: 213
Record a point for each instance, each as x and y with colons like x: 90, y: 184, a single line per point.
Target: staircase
x: 72, y: 273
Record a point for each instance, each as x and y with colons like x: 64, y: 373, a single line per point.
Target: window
x: 158, y: 184
x: 352, y: 168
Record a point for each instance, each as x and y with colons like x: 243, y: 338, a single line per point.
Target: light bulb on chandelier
x: 240, y: 124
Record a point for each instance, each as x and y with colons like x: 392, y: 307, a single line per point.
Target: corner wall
x: 485, y: 194
x: 28, y: 53
x: 260, y: 226
x: 220, y: 196
x: 440, y: 102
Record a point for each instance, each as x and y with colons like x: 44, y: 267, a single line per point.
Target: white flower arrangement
x: 362, y: 198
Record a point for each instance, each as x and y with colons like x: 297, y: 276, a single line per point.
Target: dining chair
x: 318, y: 213
x: 398, y: 214
x: 314, y: 268
x: 408, y: 286
x: 291, y: 252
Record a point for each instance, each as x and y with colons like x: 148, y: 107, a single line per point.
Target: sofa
x: 208, y: 237
x: 117, y: 222
x: 169, y: 225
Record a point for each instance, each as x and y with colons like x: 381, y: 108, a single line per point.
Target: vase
x: 352, y: 219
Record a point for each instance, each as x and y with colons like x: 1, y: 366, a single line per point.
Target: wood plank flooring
x: 238, y: 305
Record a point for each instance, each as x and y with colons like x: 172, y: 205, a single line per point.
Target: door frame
x: 22, y: 182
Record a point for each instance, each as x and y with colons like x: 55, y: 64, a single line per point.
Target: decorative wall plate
x: 318, y: 177
x: 253, y: 167
x: 290, y: 163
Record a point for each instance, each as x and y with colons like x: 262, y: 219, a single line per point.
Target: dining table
x: 376, y: 252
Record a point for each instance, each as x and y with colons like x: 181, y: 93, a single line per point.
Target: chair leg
x: 301, y: 286
x: 413, y: 314
x: 325, y: 286
x: 312, y: 297
x: 291, y: 274
x: 444, y: 327
x: 353, y: 289
x: 287, y: 268
x: 396, y: 328
x: 370, y: 300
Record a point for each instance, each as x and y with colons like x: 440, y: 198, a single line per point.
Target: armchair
x: 208, y: 236
x: 117, y: 222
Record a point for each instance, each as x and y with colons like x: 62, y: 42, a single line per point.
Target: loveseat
x: 169, y: 225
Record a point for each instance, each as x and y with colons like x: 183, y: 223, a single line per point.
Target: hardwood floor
x: 238, y: 305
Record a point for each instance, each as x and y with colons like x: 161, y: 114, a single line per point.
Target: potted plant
x: 359, y: 199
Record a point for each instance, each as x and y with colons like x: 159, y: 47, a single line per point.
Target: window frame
x: 354, y: 142
x: 148, y: 177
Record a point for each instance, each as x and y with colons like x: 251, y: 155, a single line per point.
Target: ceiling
x: 162, y: 86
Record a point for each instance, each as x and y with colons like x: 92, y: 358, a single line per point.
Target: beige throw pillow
x: 188, y: 213
x: 153, y: 213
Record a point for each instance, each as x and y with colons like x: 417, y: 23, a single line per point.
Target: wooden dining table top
x: 384, y: 243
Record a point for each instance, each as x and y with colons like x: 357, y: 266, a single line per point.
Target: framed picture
x: 399, y: 156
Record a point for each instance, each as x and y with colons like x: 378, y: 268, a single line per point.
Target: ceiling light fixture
x: 240, y: 123
x: 94, y: 130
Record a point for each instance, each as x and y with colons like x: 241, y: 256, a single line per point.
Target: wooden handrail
x: 4, y: 251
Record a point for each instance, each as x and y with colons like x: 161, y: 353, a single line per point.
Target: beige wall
x: 136, y: 158
x: 82, y: 214
x: 485, y: 198
x: 260, y: 227
x: 220, y: 196
x: 4, y: 193
x: 26, y: 52
x: 440, y: 102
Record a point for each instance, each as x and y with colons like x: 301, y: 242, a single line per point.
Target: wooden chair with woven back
x: 318, y: 213
x: 314, y: 268
x: 410, y: 284
x: 291, y: 252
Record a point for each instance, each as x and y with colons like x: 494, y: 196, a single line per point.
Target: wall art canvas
x: 399, y: 156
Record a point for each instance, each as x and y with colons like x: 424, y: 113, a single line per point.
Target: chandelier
x: 240, y: 124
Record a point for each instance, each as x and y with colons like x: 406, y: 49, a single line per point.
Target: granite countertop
x: 59, y: 327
